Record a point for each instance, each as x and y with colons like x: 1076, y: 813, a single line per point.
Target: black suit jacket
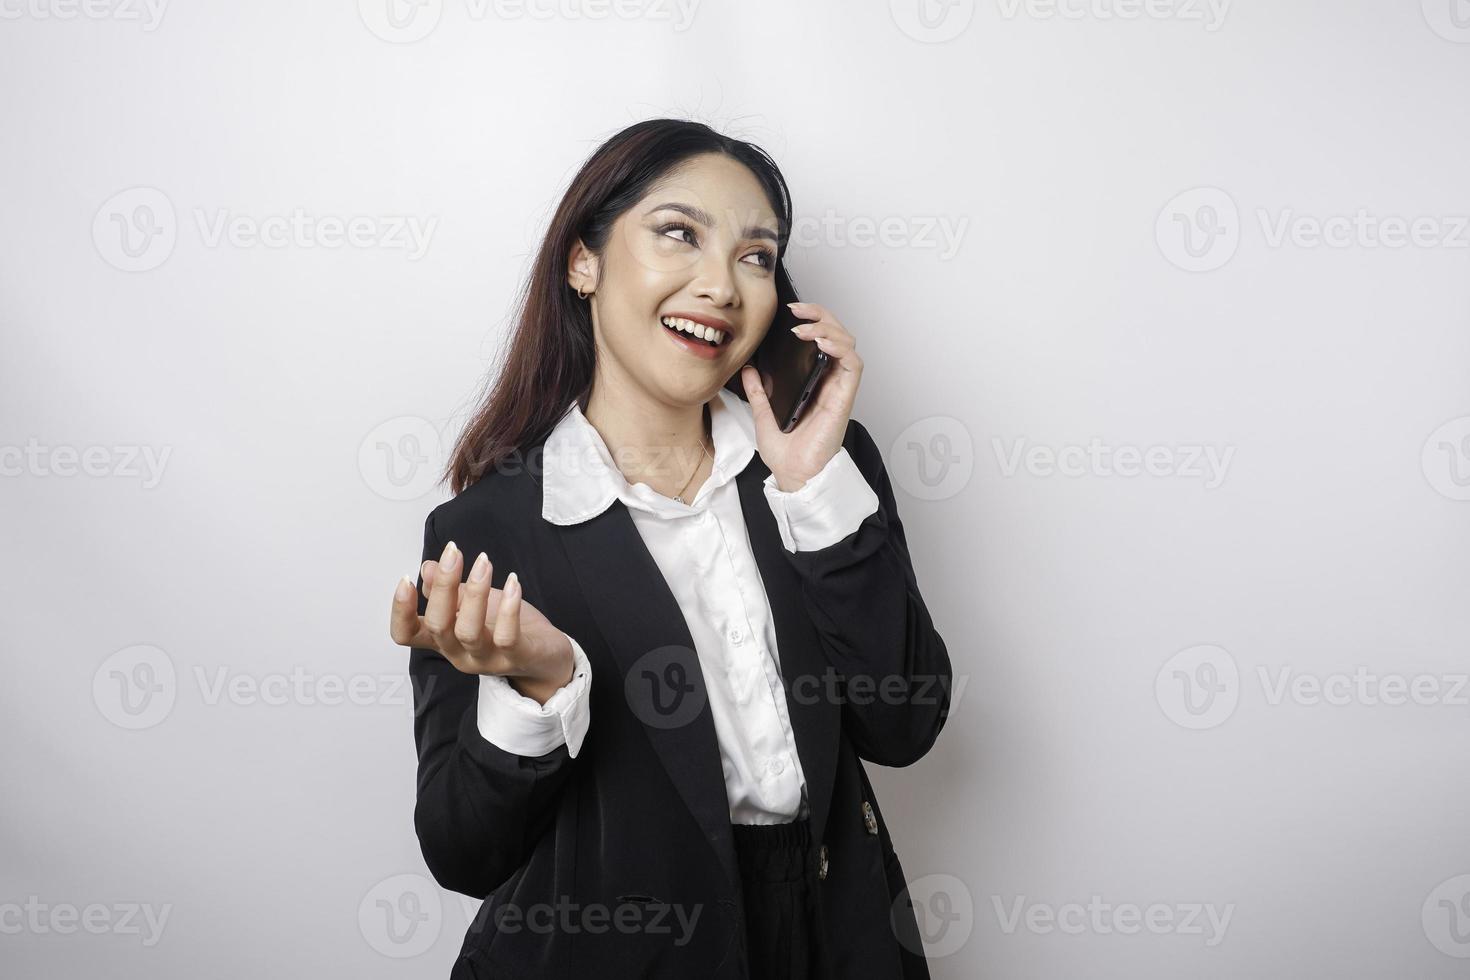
x: 620, y: 862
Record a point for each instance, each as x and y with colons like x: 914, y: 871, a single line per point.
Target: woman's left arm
x: 864, y: 599
x: 859, y: 584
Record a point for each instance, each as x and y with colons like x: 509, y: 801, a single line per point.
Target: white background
x: 304, y: 396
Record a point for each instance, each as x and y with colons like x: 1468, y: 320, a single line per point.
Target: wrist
x: 541, y: 689
x: 789, y: 484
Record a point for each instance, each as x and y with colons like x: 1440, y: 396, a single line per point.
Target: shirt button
x: 736, y: 635
x: 776, y: 766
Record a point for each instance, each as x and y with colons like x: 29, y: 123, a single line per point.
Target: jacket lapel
x: 638, y: 614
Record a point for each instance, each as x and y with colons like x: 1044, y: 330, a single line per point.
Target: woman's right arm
x: 481, y: 806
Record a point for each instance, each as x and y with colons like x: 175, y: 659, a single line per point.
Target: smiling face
x: 700, y: 248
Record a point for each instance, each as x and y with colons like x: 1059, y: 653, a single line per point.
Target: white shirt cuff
x: 826, y: 509
x: 519, y: 725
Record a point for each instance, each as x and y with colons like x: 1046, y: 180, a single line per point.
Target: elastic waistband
x: 796, y: 834
x: 772, y: 852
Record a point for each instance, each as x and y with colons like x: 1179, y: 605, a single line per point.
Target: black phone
x: 790, y: 368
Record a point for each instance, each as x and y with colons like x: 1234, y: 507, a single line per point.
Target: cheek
x: 655, y: 256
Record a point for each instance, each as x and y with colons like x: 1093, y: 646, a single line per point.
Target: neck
x: 650, y: 441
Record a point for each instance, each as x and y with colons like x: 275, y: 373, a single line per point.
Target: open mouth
x: 696, y: 331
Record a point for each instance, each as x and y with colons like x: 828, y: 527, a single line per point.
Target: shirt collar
x: 579, y: 480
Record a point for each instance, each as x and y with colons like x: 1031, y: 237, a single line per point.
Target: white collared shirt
x: 704, y: 553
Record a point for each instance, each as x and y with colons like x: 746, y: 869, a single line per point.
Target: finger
x: 404, y: 624
x: 469, y: 625
x: 439, y: 614
x: 836, y: 347
x: 508, y: 615
x: 428, y: 572
x: 760, y: 402
x: 811, y: 311
x: 829, y: 335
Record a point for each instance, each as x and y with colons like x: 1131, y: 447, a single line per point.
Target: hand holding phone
x: 790, y: 368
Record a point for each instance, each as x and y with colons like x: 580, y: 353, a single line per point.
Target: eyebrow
x: 703, y: 217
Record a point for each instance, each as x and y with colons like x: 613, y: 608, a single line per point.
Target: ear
x: 582, y: 268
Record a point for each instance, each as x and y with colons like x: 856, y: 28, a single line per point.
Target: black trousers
x: 779, y: 914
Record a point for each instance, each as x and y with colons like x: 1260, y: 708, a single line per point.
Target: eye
x: 682, y: 227
x: 767, y: 256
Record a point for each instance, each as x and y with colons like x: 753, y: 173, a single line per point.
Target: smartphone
x: 790, y: 368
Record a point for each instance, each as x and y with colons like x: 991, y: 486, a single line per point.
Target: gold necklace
x: 680, y: 495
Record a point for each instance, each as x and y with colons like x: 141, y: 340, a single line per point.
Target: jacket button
x: 822, y: 865
x: 869, y: 820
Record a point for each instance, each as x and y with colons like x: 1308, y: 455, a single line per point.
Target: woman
x: 652, y: 634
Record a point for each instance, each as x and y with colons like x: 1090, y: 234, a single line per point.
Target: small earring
x: 580, y: 294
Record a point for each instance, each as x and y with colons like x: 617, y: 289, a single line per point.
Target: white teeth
x: 699, y: 330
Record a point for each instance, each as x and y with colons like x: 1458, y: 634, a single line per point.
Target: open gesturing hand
x: 482, y: 630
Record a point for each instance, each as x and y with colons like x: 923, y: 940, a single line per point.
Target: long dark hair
x: 551, y: 353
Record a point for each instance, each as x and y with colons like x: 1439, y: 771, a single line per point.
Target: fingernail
x: 447, y: 558
x: 800, y: 327
x: 480, y: 569
x: 512, y: 583
x: 404, y: 590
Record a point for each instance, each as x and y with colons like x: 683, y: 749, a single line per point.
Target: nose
x: 714, y: 282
